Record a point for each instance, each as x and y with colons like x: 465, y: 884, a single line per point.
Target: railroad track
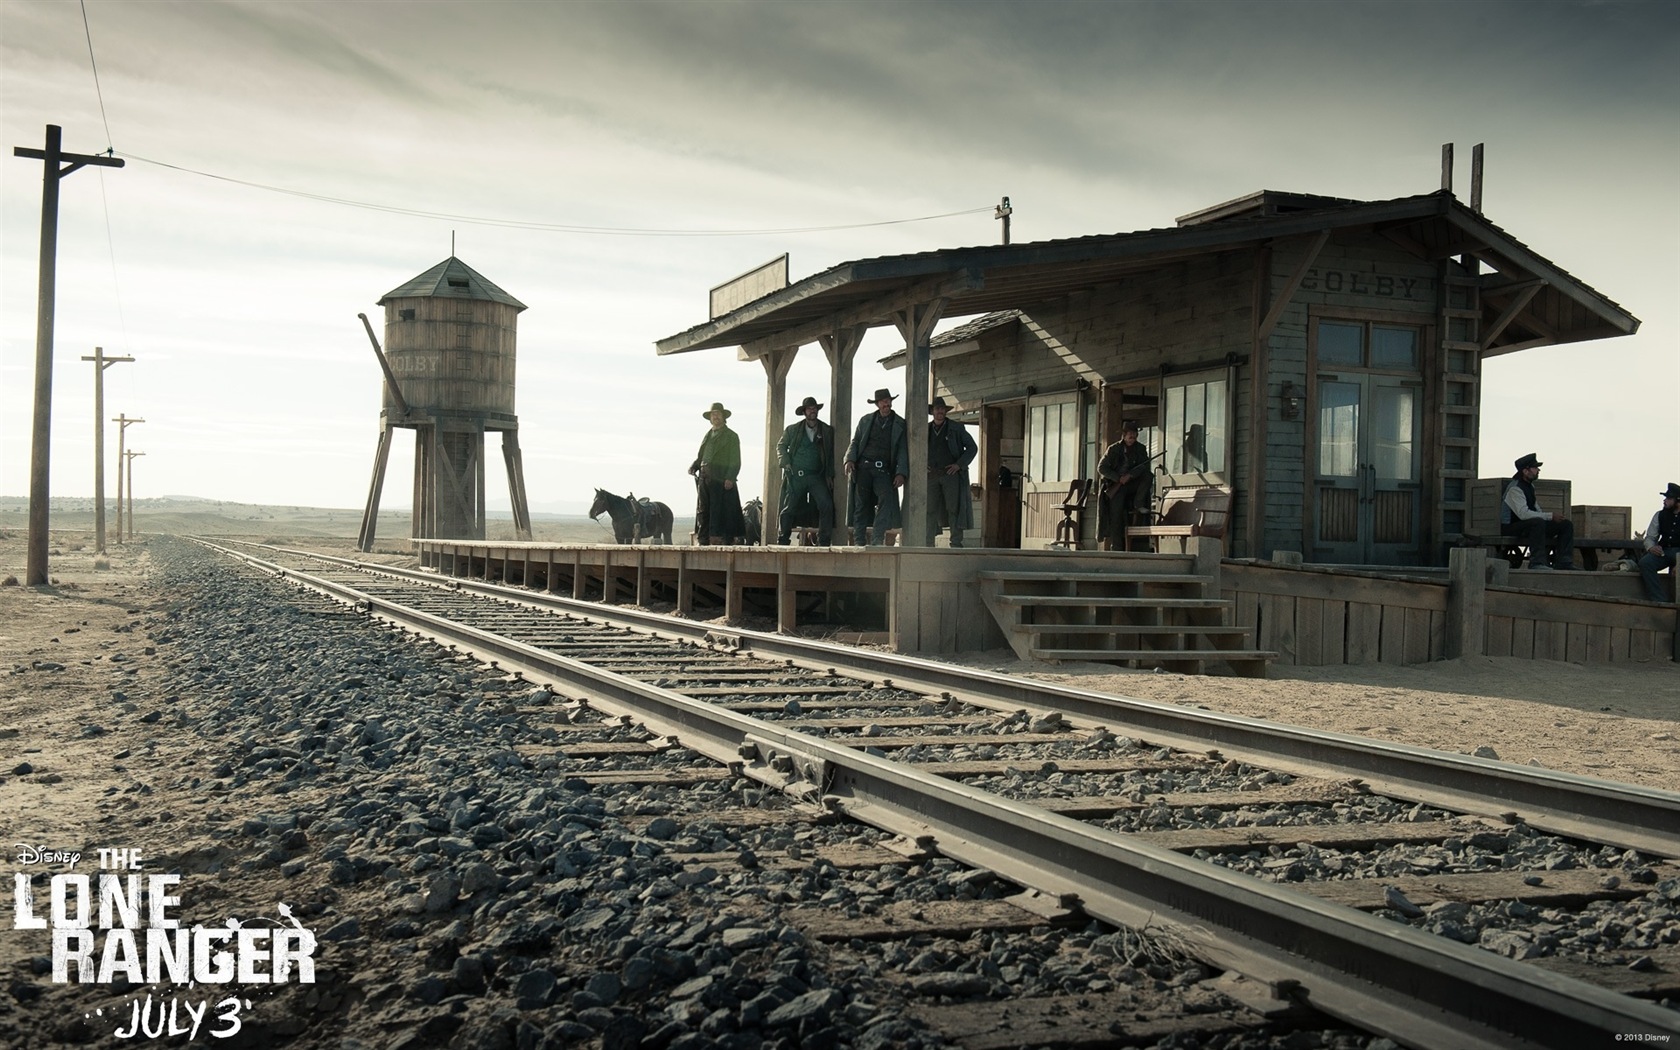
x: 1073, y: 795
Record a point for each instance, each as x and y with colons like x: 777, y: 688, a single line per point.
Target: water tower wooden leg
x: 370, y: 515
x: 475, y: 443
x: 425, y: 482
x: 516, y: 483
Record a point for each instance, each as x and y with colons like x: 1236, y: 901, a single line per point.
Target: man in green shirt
x: 717, y: 511
x: 806, y: 453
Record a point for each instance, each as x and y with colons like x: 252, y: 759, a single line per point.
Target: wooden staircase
x: 1145, y: 614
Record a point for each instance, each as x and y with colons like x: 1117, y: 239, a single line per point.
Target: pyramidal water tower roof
x: 455, y: 279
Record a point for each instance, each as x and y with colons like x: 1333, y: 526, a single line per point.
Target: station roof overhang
x: 1527, y: 302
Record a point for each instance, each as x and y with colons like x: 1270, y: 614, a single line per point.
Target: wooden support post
x: 776, y: 364
x: 370, y: 514
x: 787, y: 608
x: 840, y: 347
x: 1466, y: 602
x: 1206, y: 553
x: 685, y: 586
x: 578, y: 589
x: 644, y: 585
x: 731, y: 591
x: 516, y: 484
x: 915, y: 323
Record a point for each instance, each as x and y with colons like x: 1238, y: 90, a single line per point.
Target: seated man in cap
x: 717, y: 508
x: 806, y: 453
x: 1662, y: 544
x: 1540, y: 531
x: 878, y: 462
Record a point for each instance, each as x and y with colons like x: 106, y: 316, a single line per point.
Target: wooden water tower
x: 449, y: 371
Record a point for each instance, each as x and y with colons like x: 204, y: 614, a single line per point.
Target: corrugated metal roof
x: 455, y: 279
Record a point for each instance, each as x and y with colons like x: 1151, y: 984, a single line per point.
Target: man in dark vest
x: 877, y: 461
x: 950, y: 451
x: 1540, y: 531
x: 1662, y: 544
x: 806, y: 453
x: 1126, y: 483
x: 717, y: 510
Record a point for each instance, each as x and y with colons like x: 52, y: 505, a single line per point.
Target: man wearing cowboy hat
x: 717, y: 508
x: 806, y: 453
x: 1662, y: 544
x: 878, y: 461
x: 1538, y: 530
x: 950, y: 451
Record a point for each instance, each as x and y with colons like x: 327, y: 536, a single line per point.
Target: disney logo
x: 28, y: 854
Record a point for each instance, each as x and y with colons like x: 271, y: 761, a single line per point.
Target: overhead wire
x: 104, y: 200
x: 552, y: 227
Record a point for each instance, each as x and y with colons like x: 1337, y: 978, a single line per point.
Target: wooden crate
x: 1552, y: 495
x: 1601, y: 523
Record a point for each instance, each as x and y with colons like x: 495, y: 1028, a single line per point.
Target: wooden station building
x: 1321, y: 358
x: 1316, y: 361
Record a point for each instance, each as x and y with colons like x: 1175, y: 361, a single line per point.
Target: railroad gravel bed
x: 470, y: 888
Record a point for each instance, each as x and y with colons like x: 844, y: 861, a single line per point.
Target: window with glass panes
x: 1194, y: 422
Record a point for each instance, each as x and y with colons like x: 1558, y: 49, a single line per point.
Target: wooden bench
x: 1202, y: 510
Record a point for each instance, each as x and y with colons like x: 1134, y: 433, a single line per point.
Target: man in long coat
x: 950, y: 451
x: 878, y: 461
x: 717, y: 510
x: 806, y: 454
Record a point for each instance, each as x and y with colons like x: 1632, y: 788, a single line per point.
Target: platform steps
x: 1136, y: 619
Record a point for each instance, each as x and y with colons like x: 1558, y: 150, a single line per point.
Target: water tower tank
x: 450, y: 338
x: 450, y: 341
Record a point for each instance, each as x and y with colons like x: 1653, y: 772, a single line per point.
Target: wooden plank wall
x: 1316, y: 617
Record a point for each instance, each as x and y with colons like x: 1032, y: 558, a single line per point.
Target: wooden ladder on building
x: 1459, y: 396
x: 1172, y: 619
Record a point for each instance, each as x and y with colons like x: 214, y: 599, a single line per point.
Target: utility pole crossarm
x: 76, y: 160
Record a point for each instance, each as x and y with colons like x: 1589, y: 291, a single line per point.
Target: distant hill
x: 192, y: 515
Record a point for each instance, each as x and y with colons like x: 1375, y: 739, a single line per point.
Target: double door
x: 1368, y: 494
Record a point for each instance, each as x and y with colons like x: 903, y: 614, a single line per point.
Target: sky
x: 287, y: 164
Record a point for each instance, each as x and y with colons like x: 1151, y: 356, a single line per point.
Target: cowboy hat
x: 938, y: 402
x: 882, y: 394
x: 1673, y: 491
x: 717, y: 406
x: 809, y: 402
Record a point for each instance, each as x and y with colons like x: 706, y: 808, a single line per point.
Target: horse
x: 753, y: 514
x: 634, y: 519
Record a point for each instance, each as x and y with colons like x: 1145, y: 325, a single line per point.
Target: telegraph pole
x: 100, y: 364
x: 122, y: 432
x: 55, y: 165
x: 1003, y: 212
x: 130, y: 457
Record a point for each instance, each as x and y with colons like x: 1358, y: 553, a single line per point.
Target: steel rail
x: 1417, y: 988
x: 1628, y: 816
